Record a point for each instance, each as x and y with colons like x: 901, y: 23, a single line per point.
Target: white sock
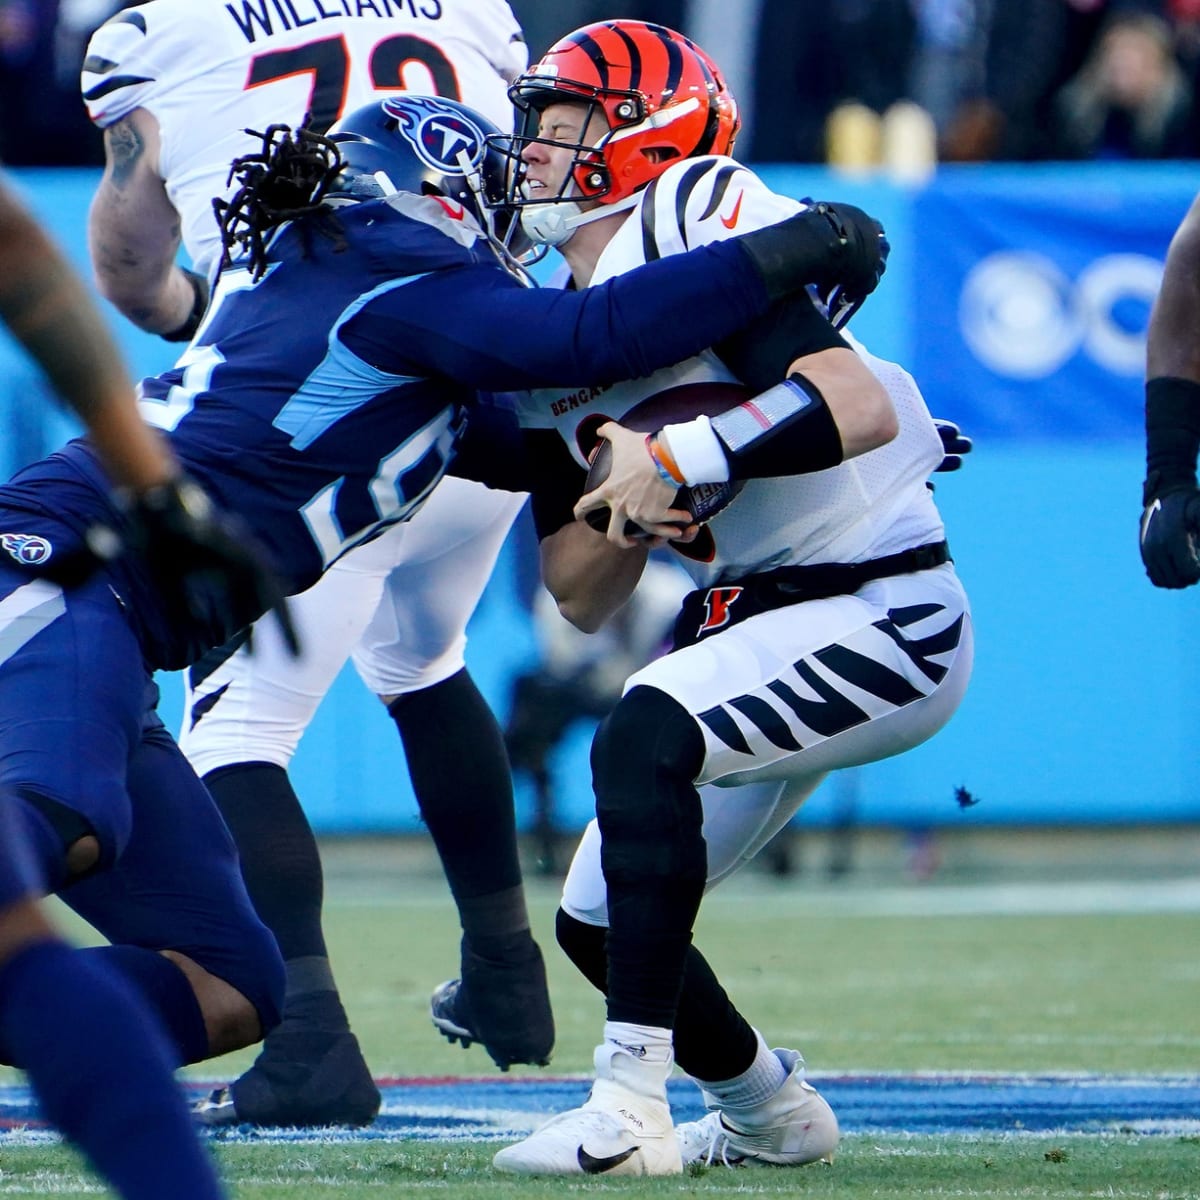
x: 648, y: 1042
x: 765, y: 1076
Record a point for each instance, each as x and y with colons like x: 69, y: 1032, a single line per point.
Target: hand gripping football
x: 672, y: 407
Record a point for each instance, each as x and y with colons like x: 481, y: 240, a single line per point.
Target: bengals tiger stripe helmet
x: 663, y: 98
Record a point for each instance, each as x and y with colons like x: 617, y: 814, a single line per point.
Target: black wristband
x: 1172, y: 434
x: 786, y: 430
x: 187, y: 330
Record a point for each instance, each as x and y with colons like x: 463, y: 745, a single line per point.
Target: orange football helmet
x: 662, y: 96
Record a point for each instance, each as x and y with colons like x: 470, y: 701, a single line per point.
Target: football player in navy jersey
x: 175, y: 84
x: 96, y: 1054
x: 323, y: 396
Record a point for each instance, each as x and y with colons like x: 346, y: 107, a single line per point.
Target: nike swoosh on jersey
x: 730, y: 221
x: 597, y: 1166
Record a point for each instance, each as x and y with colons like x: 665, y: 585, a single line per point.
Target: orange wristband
x: 661, y: 456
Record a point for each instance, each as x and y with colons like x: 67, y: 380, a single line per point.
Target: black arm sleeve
x: 559, y: 484
x: 785, y: 430
x: 761, y: 354
x: 492, y: 450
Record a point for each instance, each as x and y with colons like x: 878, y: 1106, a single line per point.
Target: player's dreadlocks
x: 288, y: 178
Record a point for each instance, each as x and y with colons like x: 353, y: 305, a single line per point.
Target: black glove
x: 1170, y: 537
x: 837, y: 247
x: 954, y: 445
x: 1170, y: 529
x: 187, y: 330
x: 205, y: 563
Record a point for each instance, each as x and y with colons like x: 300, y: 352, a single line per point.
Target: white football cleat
x: 624, y: 1128
x: 793, y: 1128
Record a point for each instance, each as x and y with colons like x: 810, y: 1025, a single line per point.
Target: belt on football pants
x: 708, y: 610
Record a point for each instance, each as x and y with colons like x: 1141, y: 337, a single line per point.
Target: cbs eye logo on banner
x: 1024, y: 317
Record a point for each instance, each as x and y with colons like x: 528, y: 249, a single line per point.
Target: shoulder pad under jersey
x: 701, y: 200
x: 131, y: 53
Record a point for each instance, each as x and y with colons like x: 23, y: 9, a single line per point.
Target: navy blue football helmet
x: 431, y: 146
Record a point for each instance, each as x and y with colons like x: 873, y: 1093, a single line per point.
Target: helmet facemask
x: 550, y: 216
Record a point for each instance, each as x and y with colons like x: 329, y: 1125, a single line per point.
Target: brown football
x: 672, y: 407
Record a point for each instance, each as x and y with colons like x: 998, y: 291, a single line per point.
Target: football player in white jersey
x: 828, y: 628
x: 175, y: 84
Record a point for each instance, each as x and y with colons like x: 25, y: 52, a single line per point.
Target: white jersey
x: 208, y: 70
x: 872, y: 505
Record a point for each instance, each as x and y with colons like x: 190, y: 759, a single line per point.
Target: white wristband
x: 697, y: 451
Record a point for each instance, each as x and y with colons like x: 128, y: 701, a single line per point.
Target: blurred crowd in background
x: 839, y: 81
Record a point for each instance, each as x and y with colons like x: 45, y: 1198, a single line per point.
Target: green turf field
x: 887, y: 975
x: 990, y: 1168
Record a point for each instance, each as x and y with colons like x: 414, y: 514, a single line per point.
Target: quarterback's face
x: 548, y: 167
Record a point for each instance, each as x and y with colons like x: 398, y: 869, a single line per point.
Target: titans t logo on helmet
x: 439, y: 134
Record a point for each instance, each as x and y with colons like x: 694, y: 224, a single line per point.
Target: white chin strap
x: 554, y: 224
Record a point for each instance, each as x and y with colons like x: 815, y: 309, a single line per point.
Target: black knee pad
x: 645, y: 756
x: 583, y: 944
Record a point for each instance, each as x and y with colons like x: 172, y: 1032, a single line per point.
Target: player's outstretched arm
x: 1170, y: 525
x: 1172, y: 344
x: 626, y: 327
x: 837, y: 247
x: 133, y: 234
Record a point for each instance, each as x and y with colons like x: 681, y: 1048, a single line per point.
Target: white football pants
x: 398, y: 606
x: 787, y: 696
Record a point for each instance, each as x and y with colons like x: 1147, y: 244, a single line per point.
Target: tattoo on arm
x: 125, y: 149
x: 134, y: 230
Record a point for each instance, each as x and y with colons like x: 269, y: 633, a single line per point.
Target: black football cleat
x: 299, y: 1079
x: 505, y: 1006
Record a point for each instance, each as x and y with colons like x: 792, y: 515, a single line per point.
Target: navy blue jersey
x: 322, y: 402
x: 281, y: 418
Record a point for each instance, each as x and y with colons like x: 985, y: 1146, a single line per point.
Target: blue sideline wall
x: 1019, y: 298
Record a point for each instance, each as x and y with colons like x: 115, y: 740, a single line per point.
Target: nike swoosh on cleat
x: 597, y: 1166
x: 730, y: 221
x: 1148, y: 516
